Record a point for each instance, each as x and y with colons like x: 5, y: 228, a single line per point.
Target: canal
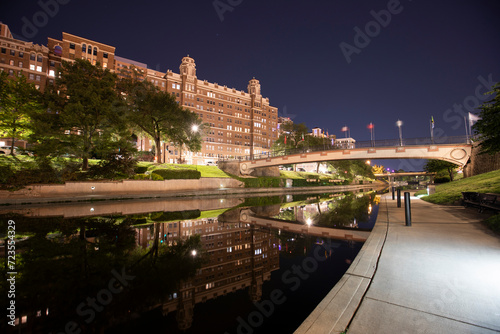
x: 211, y: 265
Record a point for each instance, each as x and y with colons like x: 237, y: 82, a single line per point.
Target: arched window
x: 95, y: 51
x: 89, y: 50
x: 84, y: 48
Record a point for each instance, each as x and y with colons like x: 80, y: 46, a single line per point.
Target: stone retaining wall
x: 120, y: 187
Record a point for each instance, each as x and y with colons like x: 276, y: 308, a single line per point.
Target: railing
x: 359, y: 144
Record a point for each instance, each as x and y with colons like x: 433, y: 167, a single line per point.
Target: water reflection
x: 123, y: 273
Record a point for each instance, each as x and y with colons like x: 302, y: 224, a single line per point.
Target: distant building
x: 345, y: 143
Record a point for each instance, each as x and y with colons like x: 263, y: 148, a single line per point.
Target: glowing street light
x: 309, y: 222
x: 399, y: 124
x: 193, y: 252
x: 194, y: 128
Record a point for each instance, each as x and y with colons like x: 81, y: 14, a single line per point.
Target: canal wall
x: 137, y: 189
x: 131, y: 187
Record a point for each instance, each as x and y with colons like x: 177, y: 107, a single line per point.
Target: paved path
x: 441, y: 275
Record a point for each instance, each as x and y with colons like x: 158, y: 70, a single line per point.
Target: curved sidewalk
x: 440, y: 275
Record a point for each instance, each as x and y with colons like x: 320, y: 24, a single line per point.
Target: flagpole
x: 466, y: 133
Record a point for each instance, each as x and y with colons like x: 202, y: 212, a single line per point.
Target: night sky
x: 323, y: 63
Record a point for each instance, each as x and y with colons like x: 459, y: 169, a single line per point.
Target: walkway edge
x: 334, y: 313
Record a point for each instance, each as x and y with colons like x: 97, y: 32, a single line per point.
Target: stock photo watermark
x: 372, y: 29
x: 11, y: 273
x: 48, y: 9
x: 88, y: 309
x: 223, y: 6
x: 457, y: 115
x: 292, y: 279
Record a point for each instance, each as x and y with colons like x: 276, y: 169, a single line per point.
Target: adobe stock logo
x: 372, y: 29
x: 222, y: 6
x: 40, y: 19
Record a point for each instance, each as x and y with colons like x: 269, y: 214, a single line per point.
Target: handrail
x: 384, y: 143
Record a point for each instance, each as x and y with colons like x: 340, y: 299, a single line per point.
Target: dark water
x: 219, y: 265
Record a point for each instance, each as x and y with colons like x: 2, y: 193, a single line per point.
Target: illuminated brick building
x: 240, y: 122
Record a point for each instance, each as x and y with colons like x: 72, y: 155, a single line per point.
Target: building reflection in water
x: 240, y: 255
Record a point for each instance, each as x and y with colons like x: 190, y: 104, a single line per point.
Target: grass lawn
x: 206, y: 171
x: 448, y: 193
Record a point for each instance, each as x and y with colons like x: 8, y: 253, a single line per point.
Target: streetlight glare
x: 193, y: 252
x: 194, y: 128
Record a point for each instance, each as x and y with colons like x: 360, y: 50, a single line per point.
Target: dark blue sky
x: 429, y: 58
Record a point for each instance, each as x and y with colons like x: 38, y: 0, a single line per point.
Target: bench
x: 488, y: 201
x: 480, y: 200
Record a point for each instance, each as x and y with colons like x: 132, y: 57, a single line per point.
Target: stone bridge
x: 453, y: 149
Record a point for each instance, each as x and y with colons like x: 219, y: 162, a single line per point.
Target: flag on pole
x: 285, y: 139
x: 473, y: 118
x: 345, y: 129
x: 370, y: 126
x: 302, y: 137
x: 432, y: 122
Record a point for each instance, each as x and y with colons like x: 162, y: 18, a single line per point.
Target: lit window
x: 20, y: 64
x: 52, y: 73
x: 39, y: 68
x: 32, y: 67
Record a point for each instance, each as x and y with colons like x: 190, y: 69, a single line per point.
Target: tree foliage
x: 159, y: 116
x: 439, y: 166
x: 489, y: 124
x: 19, y: 101
x: 88, y: 117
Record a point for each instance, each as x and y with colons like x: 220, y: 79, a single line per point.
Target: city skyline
x: 328, y: 65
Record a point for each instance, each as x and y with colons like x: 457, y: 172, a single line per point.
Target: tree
x: 488, y: 125
x: 189, y: 132
x: 18, y: 101
x: 437, y: 166
x: 158, y: 114
x: 376, y: 169
x: 89, y: 110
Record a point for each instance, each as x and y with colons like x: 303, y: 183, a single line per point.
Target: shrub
x: 442, y: 179
x: 494, y: 223
x: 263, y: 182
x: 154, y: 177
x: 141, y: 169
x: 169, y: 174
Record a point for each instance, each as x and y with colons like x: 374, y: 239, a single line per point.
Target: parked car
x: 300, y: 169
x: 211, y: 163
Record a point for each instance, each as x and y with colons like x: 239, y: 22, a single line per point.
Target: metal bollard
x: 393, y: 188
x: 407, y: 209
x: 399, y: 198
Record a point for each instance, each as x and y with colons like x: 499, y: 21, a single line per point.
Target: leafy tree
x: 158, y: 114
x: 437, y: 166
x: 488, y: 125
x: 295, y: 134
x: 376, y: 169
x: 18, y: 101
x: 88, y: 109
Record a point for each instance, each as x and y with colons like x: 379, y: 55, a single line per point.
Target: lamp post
x: 194, y: 128
x: 399, y: 124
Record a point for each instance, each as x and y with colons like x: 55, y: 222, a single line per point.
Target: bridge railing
x: 384, y: 143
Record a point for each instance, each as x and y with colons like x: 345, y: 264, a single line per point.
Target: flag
x: 432, y: 122
x: 344, y: 129
x: 370, y: 126
x: 473, y: 118
x: 285, y: 139
x: 327, y: 135
x: 302, y: 137
x: 332, y: 141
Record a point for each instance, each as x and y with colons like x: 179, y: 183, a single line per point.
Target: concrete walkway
x: 440, y: 275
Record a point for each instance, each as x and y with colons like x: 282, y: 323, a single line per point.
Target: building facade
x: 240, y: 123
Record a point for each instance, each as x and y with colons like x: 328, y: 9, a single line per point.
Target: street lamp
x: 194, y: 128
x: 399, y: 124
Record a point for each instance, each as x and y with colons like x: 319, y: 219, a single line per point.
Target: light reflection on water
x: 199, y: 266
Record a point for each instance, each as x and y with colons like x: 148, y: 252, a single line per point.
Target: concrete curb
x: 334, y: 313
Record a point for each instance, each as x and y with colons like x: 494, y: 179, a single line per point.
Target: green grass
x: 451, y: 192
x: 206, y: 171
